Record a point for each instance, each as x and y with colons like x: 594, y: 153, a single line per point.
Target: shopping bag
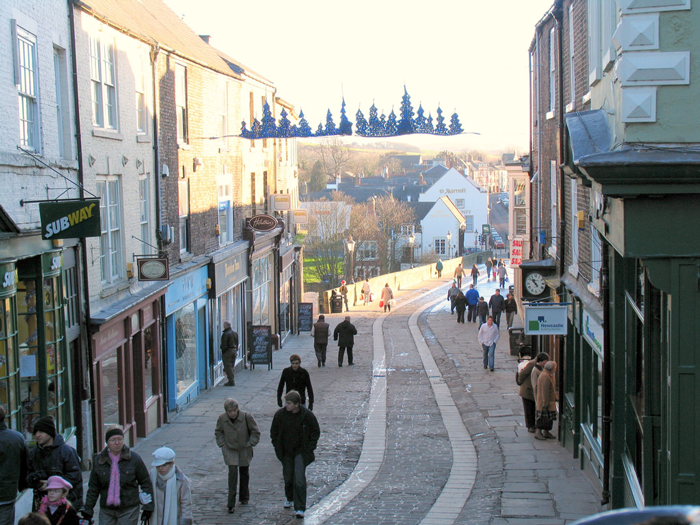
x: 381, y: 303
x: 371, y: 297
x: 362, y: 297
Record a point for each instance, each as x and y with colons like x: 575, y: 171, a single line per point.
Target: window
x: 459, y: 203
x: 469, y: 223
x: 103, y: 83
x: 573, y: 269
x: 62, y: 114
x: 28, y: 89
x: 225, y: 214
x: 408, y: 229
x: 144, y: 215
x: 553, y: 195
x: 367, y: 250
x: 594, y: 41
x: 223, y: 109
x: 184, y: 210
x: 596, y: 261
x: 9, y: 361
x: 252, y: 115
x: 572, y: 62
x: 141, y: 105
x: 72, y: 305
x: 440, y: 246
x: 109, y: 191
x: 181, y: 103
x: 552, y: 71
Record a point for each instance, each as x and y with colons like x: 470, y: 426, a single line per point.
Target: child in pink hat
x: 55, y: 506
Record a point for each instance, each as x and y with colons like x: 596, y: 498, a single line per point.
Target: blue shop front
x: 186, y: 337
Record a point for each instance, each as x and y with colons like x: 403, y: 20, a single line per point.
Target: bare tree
x: 334, y: 155
x: 391, y: 215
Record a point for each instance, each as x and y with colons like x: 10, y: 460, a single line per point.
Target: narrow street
x: 416, y: 432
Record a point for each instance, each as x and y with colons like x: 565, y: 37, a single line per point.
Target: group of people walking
x: 537, y: 381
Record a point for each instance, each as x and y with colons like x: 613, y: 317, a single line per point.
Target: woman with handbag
x: 546, y: 402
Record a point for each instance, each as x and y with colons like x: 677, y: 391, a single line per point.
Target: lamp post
x: 351, y: 249
x: 449, y: 245
x: 411, y: 240
x: 476, y: 237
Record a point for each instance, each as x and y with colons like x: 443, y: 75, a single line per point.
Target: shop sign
x: 51, y: 263
x: 186, y: 289
x: 281, y: 201
x: 486, y: 229
x: 230, y: 272
x: 263, y: 223
x: 545, y: 320
x: 260, y: 342
x: 593, y: 332
x: 516, y: 251
x: 70, y: 219
x: 153, y: 269
x: 300, y: 216
x: 8, y: 276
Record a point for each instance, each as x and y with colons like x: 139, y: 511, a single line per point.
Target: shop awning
x: 120, y: 307
x: 588, y: 133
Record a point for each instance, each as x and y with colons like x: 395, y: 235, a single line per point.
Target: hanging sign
x: 300, y: 216
x: 263, y: 223
x: 545, y: 320
x: 281, y: 201
x: 516, y: 252
x: 70, y: 219
x: 153, y: 269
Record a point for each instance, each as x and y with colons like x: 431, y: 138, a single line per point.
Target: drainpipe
x: 83, y: 246
x: 607, y: 372
x: 558, y: 13
x: 539, y: 143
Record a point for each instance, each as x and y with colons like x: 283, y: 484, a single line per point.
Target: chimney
x: 207, y: 39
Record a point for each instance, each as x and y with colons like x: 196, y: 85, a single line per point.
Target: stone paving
x: 440, y: 443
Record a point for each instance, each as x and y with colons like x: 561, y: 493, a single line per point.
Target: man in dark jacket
x: 452, y: 295
x: 344, y: 333
x: 460, y: 306
x: 482, y: 311
x: 511, y: 309
x: 472, y: 300
x: 13, y: 466
x: 497, y: 305
x: 294, y: 434
x: 295, y: 378
x: 118, y: 504
x: 52, y: 457
x: 320, y: 332
x: 229, y: 349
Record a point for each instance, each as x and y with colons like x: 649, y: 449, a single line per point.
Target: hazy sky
x: 464, y: 55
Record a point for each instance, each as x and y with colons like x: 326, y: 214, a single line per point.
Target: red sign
x: 516, y: 252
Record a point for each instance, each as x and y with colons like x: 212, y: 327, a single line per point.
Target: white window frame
x: 111, y: 243
x: 552, y: 70
x: 181, y: 103
x: 103, y: 77
x: 183, y: 188
x: 554, y: 199
x: 27, y: 82
x: 367, y: 251
x: 595, y: 69
x: 141, y: 97
x: 573, y: 269
x: 460, y: 203
x: 145, y: 214
x: 440, y: 245
x: 572, y: 61
x: 469, y: 223
x: 62, y: 113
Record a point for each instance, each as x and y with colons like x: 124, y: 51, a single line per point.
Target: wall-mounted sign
x: 300, y: 216
x: 545, y: 320
x: 263, y: 223
x: 516, y: 251
x: 70, y: 219
x: 281, y: 201
x: 486, y: 229
x: 153, y: 269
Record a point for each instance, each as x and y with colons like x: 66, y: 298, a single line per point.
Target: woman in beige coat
x: 236, y: 434
x: 546, y: 401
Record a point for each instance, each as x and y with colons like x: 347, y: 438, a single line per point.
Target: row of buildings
x: 117, y: 108
x: 612, y: 196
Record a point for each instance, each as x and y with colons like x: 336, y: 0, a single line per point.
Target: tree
x: 317, y: 179
x: 334, y: 156
x: 324, y: 245
x: 391, y: 214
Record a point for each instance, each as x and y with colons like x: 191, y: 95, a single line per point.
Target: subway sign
x: 70, y: 219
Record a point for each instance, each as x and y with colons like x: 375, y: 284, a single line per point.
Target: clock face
x: 534, y: 284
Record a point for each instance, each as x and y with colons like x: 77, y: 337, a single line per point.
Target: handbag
x: 362, y: 297
x: 381, y: 303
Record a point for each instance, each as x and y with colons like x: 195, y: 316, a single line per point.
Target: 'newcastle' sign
x: 263, y: 223
x: 70, y: 219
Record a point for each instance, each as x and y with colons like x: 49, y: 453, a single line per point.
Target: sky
x: 468, y: 56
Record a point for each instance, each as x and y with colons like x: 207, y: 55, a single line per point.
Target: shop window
x: 261, y: 291
x: 110, y: 390
x: 149, y: 368
x: 9, y: 365
x: 185, y: 348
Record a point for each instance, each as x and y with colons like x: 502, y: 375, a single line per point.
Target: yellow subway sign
x: 70, y: 219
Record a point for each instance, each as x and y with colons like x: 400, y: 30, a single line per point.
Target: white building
x: 440, y: 229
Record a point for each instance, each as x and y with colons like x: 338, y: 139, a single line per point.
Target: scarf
x: 47, y: 506
x: 169, y: 506
x: 113, y: 492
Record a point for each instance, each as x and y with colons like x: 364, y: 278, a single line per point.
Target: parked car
x: 499, y: 244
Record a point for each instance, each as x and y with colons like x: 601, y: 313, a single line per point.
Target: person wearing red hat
x: 55, y: 506
x: 344, y: 294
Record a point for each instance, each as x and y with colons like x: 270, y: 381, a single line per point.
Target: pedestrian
x: 472, y: 301
x: 540, y: 361
x: 55, y: 505
x: 13, y: 466
x: 344, y: 333
x: 296, y: 378
x: 236, y: 434
x: 501, y: 276
x: 488, y: 337
x: 294, y: 433
x: 452, y: 293
x: 460, y: 306
x: 511, y: 308
x: 475, y: 274
x: 459, y: 273
x: 366, y: 291
x: 320, y: 331
x: 172, y: 496
x: 52, y: 457
x: 387, y: 296
x: 524, y: 379
x: 117, y: 474
x: 344, y: 294
x: 438, y: 267
x: 546, y: 401
x: 34, y: 518
x: 500, y: 263
x: 482, y: 311
x: 497, y: 305
x: 489, y: 265
x: 229, y: 350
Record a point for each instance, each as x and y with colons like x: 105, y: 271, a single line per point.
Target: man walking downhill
x: 488, y: 337
x: 295, y: 433
x: 229, y: 349
x: 320, y: 331
x: 459, y: 273
x: 472, y: 301
x: 344, y: 333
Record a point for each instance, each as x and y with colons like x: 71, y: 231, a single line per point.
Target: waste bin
x: 520, y: 344
x: 337, y: 304
x: 479, y: 259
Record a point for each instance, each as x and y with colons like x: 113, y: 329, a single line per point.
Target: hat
x: 342, y: 282
x: 45, y: 424
x: 57, y: 482
x: 114, y: 431
x: 162, y: 456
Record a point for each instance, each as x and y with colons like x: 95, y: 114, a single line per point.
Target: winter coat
x: 344, y: 333
x: 460, y: 302
x: 132, y: 475
x: 489, y: 264
x: 320, y: 332
x: 475, y: 271
x: 298, y: 380
x: 387, y: 294
x: 229, y: 340
x: 546, y: 392
x: 13, y: 463
x: 472, y: 297
x: 452, y: 293
x: 57, y: 459
x: 497, y: 303
x: 237, y: 438
x: 310, y: 432
x: 343, y: 291
x: 438, y: 266
x: 502, y: 272
x: 524, y: 379
x: 482, y: 309
x: 534, y: 378
x: 184, y: 497
x: 71, y: 515
x: 511, y: 306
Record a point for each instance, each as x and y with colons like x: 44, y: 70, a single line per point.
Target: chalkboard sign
x: 261, y: 346
x: 306, y: 316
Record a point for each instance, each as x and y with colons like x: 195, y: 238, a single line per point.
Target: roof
x: 588, y: 132
x: 451, y: 206
x: 436, y: 171
x: 7, y: 225
x: 408, y: 161
x: 421, y: 209
x: 154, y: 22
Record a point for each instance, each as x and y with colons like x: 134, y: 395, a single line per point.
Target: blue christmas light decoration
x: 245, y: 133
x: 420, y: 122
x: 284, y: 128
x: 391, y: 125
x: 304, y: 130
x: 361, y: 127
x: 406, y: 124
x: 455, y: 125
x: 375, y: 128
x: 268, y: 126
x: 330, y: 126
x: 345, y: 126
x: 440, y: 128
